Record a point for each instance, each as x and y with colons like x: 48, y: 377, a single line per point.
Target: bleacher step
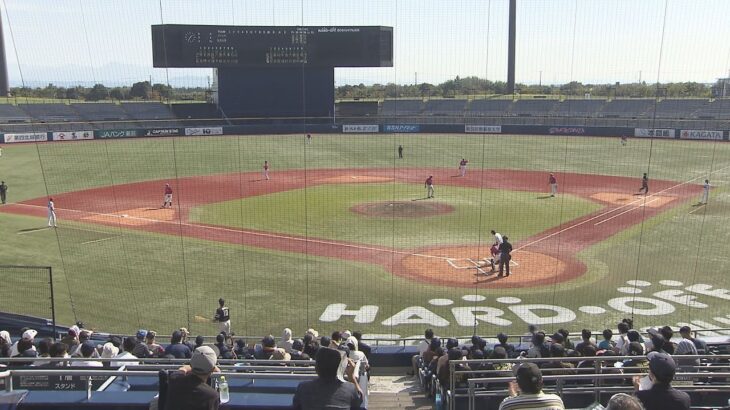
x: 396, y: 392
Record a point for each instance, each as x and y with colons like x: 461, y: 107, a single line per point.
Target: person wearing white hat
x: 188, y: 388
x: 29, y: 335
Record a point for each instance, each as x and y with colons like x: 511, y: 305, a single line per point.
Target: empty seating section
x: 51, y: 112
x: 627, y: 108
x: 11, y: 113
x: 579, y: 108
x: 536, y: 108
x: 401, y: 107
x: 148, y: 111
x: 357, y: 108
x: 100, y: 111
x: 445, y: 107
x: 718, y: 109
x: 489, y: 108
x: 679, y: 108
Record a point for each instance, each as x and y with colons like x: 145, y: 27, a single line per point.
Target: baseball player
x: 266, y: 170
x: 493, y: 260
x: 504, y: 252
x: 1, y: 151
x: 644, y: 184
x: 462, y: 167
x: 429, y: 187
x: 309, y: 139
x: 167, y: 199
x: 223, y: 317
x: 51, y: 214
x: 400, y: 151
x: 497, y: 238
x: 3, y: 191
x: 703, y: 199
x: 624, y: 140
x: 553, y: 185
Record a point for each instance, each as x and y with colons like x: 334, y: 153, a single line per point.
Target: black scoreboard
x: 176, y: 45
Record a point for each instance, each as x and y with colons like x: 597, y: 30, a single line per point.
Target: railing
x: 597, y: 367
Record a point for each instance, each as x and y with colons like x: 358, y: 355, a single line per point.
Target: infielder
x: 644, y: 184
x: 266, y: 170
x: 223, y: 317
x: 429, y: 187
x: 167, y: 199
x: 553, y: 185
x: 462, y: 167
x: 703, y: 199
x: 51, y: 214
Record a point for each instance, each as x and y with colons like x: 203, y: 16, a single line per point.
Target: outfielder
x: 462, y: 167
x: 705, y: 192
x: 429, y: 187
x: 167, y: 199
x: 266, y: 169
x: 553, y: 184
x: 51, y: 214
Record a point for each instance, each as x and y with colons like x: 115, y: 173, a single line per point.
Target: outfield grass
x: 138, y: 279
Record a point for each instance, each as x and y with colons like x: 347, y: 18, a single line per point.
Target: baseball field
x: 342, y: 235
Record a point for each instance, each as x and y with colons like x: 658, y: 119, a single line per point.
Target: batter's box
x: 468, y: 263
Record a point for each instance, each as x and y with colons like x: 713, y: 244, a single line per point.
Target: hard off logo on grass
x: 474, y: 309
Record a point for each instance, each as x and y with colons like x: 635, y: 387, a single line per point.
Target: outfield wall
x: 355, y: 128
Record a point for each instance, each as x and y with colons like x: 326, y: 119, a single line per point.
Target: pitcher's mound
x: 402, y: 209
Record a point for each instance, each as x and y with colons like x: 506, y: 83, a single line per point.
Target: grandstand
x: 446, y: 107
x: 489, y: 108
x: 579, y: 108
x: 392, y: 108
x: 619, y: 108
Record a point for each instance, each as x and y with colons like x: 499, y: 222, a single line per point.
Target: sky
x: 593, y: 41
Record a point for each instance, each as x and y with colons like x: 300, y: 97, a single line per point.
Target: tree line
x: 142, y: 90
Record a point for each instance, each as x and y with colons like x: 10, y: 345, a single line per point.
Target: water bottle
x: 223, y: 387
x: 438, y: 401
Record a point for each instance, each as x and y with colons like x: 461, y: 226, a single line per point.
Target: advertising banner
x: 26, y: 137
x: 73, y: 135
x: 363, y: 128
x: 567, y: 130
x: 700, y: 134
x: 483, y: 129
x: 115, y: 133
x: 160, y: 132
x: 654, y: 132
x: 402, y: 128
x: 204, y: 131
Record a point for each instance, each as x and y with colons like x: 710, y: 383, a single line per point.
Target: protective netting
x: 27, y: 290
x: 326, y: 222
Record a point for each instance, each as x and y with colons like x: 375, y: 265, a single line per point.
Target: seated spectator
x: 622, y: 344
x: 622, y: 401
x: 557, y: 366
x: 327, y: 391
x: 361, y: 362
x: 586, y: 335
x: 58, y: 350
x: 432, y: 353
x: 700, y: 345
x: 241, y: 350
x: 176, y: 348
x: 29, y: 336
x: 5, y: 343
x: 128, y: 346
x: 442, y: 364
x: 567, y: 343
x: 223, y: 351
x: 286, y: 340
x: 324, y: 341
x: 72, y: 338
x: 188, y: 388
x: 609, y: 366
x: 25, y: 348
x: 269, y: 351
x: 335, y: 339
x: 668, y: 333
x: 154, y: 347
x: 539, y: 347
x: 527, y: 393
x: 635, y: 336
x: 508, y: 348
x: 686, y: 348
x: 422, y: 348
x: 638, y: 362
x: 87, y: 351
x: 310, y: 345
x: 44, y: 347
x: 199, y: 341
x: 661, y: 395
x: 444, y: 372
x: 108, y: 351
x: 140, y: 349
x: 364, y: 347
x: 297, y: 351
x: 589, y: 352
x: 186, y: 339
x: 607, y: 343
x: 657, y: 341
x: 558, y: 338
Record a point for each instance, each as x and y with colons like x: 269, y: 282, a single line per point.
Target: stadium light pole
x: 4, y: 86
x: 511, y: 47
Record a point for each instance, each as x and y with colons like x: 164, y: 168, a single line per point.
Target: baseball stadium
x: 284, y: 159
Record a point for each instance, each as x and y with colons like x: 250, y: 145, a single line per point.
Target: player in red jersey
x: 168, y: 196
x: 553, y: 185
x: 462, y: 167
x: 429, y: 187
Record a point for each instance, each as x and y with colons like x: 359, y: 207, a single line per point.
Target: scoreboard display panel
x: 175, y: 45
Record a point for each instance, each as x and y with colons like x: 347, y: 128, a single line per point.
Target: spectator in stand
x: 557, y: 351
x: 5, y: 343
x: 361, y: 362
x: 188, y: 389
x: 58, y: 350
x: 223, y: 351
x: 297, y: 351
x: 128, y: 346
x: 422, y: 347
x: 72, y: 338
x: 589, y: 352
x: 443, y: 372
x: 685, y: 348
x: 635, y: 336
x: 567, y: 343
x: 141, y: 350
x: 176, y: 348
x: 29, y: 336
x: 286, y: 340
x: 686, y: 333
x: 586, y: 335
x: 668, y: 333
x: 152, y: 345
x: 87, y: 351
x: 539, y: 347
x: 608, y: 366
x: 324, y: 341
x: 622, y: 401
x: 335, y: 339
x: 527, y: 392
x: 638, y: 362
x: 328, y: 391
x: 623, y: 340
x: 607, y: 343
x: 241, y: 350
x: 25, y: 348
x: 557, y: 338
x: 657, y: 341
x: 661, y: 395
x: 442, y: 365
x: 199, y: 341
x: 433, y: 351
x: 364, y: 347
x: 310, y: 345
x: 186, y: 339
x: 508, y: 348
x: 269, y: 351
x: 108, y: 351
x: 44, y: 347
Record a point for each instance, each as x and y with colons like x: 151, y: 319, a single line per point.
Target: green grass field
x: 138, y: 279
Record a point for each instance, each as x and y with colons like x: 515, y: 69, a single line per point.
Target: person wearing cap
x: 686, y: 333
x: 364, y: 347
x: 661, y: 395
x: 176, y: 348
x: 188, y: 389
x: 87, y: 350
x: 328, y: 391
x: 5, y: 343
x: 28, y: 335
x: 186, y: 339
x: 223, y: 317
x: 72, y: 337
x: 527, y: 392
x: 286, y: 340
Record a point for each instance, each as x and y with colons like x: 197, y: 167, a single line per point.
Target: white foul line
x: 619, y: 214
x: 99, y: 240
x: 697, y: 209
